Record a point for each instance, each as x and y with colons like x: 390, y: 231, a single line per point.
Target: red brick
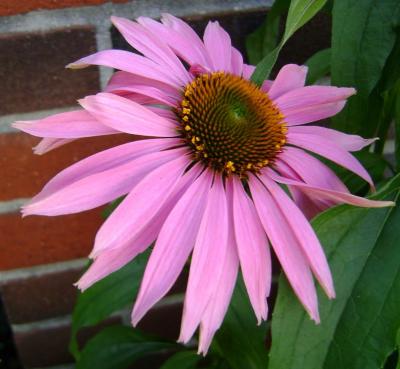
x: 40, y: 297
x: 32, y: 69
x: 38, y: 240
x: 10, y: 7
x: 23, y: 173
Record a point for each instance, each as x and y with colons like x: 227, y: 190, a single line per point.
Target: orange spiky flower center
x: 230, y: 124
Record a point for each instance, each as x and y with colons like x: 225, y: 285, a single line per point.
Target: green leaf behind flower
x: 118, y: 347
x: 111, y: 294
x: 240, y: 341
x: 300, y: 12
x: 358, y: 329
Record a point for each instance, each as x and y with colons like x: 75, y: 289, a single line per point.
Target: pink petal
x: 127, y: 116
x: 124, y: 82
x: 206, y: 267
x: 111, y: 260
x: 290, y: 77
x: 236, y: 62
x: 322, y: 193
x: 311, y: 170
x: 180, y: 37
x: 311, y: 103
x: 72, y: 124
x: 128, y: 62
x: 103, y: 161
x: 140, y: 206
x: 99, y: 188
x: 48, y: 143
x: 329, y: 150
x: 344, y: 140
x: 253, y: 249
x: 173, y: 246
x: 286, y: 246
x: 304, y: 234
x: 218, y: 46
x: 151, y: 46
x: 219, y: 302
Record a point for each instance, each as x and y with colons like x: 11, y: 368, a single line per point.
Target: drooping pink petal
x: 304, y: 234
x: 173, y: 246
x: 290, y: 77
x: 219, y: 303
x: 111, y: 260
x: 344, y: 140
x: 140, y: 206
x: 127, y: 116
x: 102, y: 161
x: 236, y: 62
x: 286, y: 246
x: 151, y: 46
x: 331, y: 151
x: 218, y: 46
x: 49, y: 143
x: 206, y: 267
x: 311, y: 170
x: 253, y: 250
x: 180, y: 37
x: 123, y: 81
x: 128, y: 62
x: 311, y: 103
x: 323, y: 193
x: 72, y: 124
x: 99, y: 188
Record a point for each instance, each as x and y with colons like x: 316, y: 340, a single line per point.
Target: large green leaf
x: 300, y: 12
x: 240, y: 341
x: 363, y: 37
x: 118, y: 347
x: 319, y: 66
x: 182, y: 360
x: 397, y: 130
x: 358, y: 329
x: 111, y: 294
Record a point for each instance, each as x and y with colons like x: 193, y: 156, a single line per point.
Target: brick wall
x: 41, y: 257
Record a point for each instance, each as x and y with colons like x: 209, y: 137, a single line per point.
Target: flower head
x: 207, y: 180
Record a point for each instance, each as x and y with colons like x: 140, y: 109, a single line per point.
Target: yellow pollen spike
x: 277, y: 146
x: 194, y: 139
x: 185, y: 111
x: 185, y: 103
x: 187, y: 128
x: 200, y: 147
x: 230, y: 166
x: 283, y: 141
x: 249, y: 166
x: 265, y: 162
x: 205, y: 155
x: 185, y: 118
x: 198, y: 139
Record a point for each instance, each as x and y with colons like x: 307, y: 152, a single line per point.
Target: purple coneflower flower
x: 207, y: 180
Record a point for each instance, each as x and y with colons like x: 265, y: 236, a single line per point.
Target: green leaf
x: 110, y: 294
x: 363, y: 36
x: 358, y: 329
x: 117, y: 348
x: 319, y: 66
x: 265, y: 38
x: 240, y: 341
x: 396, y: 115
x: 182, y: 360
x: 300, y: 12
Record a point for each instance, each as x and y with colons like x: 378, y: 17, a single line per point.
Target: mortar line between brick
x: 7, y: 120
x: 12, y: 206
x: 44, y: 20
x: 40, y: 270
